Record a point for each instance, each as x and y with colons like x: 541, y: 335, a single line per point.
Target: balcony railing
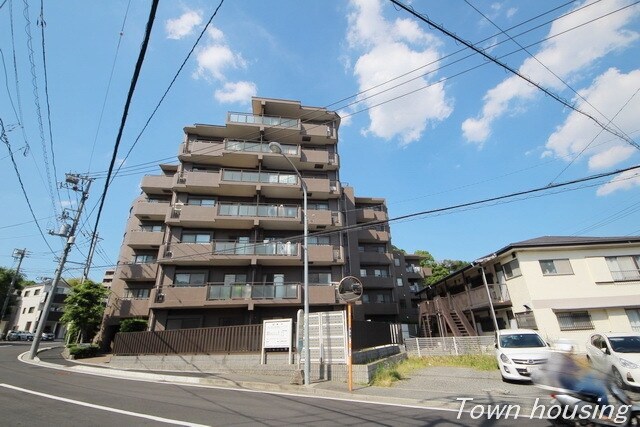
x: 254, y: 248
x: 253, y: 119
x: 258, y: 147
x: 260, y: 210
x: 262, y: 177
x: 220, y: 291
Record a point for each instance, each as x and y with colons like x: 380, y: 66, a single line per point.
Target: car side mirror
x: 496, y: 345
x: 605, y: 350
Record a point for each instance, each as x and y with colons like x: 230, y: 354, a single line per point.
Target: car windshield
x: 521, y: 341
x: 625, y: 344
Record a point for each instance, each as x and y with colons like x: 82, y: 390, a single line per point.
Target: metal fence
x: 228, y: 339
x: 373, y: 334
x: 449, y: 346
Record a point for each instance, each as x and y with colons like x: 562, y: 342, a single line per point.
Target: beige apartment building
x: 217, y: 239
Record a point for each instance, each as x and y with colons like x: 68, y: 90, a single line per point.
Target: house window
x: 634, y: 318
x: 624, y: 268
x: 140, y: 293
x: 318, y: 206
x: 194, y: 237
x: 31, y: 309
x: 36, y: 292
x: 361, y: 249
x: 189, y: 279
x: 233, y: 279
x: 201, y: 201
x: 24, y: 310
x: 399, y: 281
x: 574, y: 320
x: 144, y: 259
x: 555, y: 267
x: 379, y: 272
x: 320, y: 278
x: 26, y: 293
x: 363, y: 272
x: 526, y: 320
x: 511, y: 269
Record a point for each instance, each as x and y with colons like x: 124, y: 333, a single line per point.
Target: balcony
x: 319, y: 219
x: 237, y: 153
x: 478, y: 298
x: 329, y: 161
x: 276, y: 184
x: 231, y: 253
x: 197, y: 182
x: 325, y: 255
x: 151, y: 210
x: 369, y: 214
x: 137, y: 239
x: 157, y: 184
x: 376, y: 258
x: 370, y: 235
x: 267, y: 216
x: 371, y: 282
x: 138, y: 272
x: 253, y: 120
x: 131, y: 307
x: 253, y: 291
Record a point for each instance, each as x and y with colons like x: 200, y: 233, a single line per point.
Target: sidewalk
x: 433, y: 387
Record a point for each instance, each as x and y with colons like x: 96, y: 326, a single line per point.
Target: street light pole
x: 277, y: 149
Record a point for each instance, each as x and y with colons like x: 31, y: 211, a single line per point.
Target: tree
x: 6, y: 275
x: 84, y: 307
x: 441, y: 269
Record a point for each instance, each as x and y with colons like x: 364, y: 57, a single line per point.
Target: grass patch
x: 387, y: 375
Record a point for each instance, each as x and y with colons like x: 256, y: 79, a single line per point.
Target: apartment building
x: 30, y: 304
x: 565, y: 287
x: 217, y: 239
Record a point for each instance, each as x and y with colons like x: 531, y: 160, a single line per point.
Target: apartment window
x: 140, y: 293
x: 144, y: 259
x: 152, y: 227
x: 365, y: 298
x: 396, y: 262
x: 201, y: 201
x: 36, y: 292
x: 318, y: 206
x: 381, y: 272
x: 320, y: 278
x: 526, y: 320
x: 363, y: 272
x: 28, y: 326
x: 233, y: 279
x: 399, y: 281
x: 26, y: 293
x: 511, y: 269
x: 318, y: 240
x: 574, y: 320
x: 384, y: 297
x: 360, y: 249
x: 634, y: 318
x: 31, y: 309
x: 189, y: 279
x: 196, y: 237
x: 555, y: 267
x: 624, y: 268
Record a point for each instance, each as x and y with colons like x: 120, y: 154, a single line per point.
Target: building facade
x: 217, y: 239
x: 29, y: 308
x: 565, y: 287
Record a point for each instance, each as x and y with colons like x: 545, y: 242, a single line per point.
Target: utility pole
x: 76, y: 183
x: 92, y: 248
x: 20, y: 254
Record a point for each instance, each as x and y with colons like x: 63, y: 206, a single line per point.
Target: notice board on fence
x: 277, y: 334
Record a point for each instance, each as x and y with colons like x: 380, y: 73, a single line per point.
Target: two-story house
x: 565, y: 287
x: 30, y: 304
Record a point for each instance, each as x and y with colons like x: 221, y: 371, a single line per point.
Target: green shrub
x: 83, y: 351
x: 133, y: 325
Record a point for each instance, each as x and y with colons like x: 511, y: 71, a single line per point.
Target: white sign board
x: 277, y: 333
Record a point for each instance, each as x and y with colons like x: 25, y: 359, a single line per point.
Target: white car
x: 617, y: 354
x: 519, y: 353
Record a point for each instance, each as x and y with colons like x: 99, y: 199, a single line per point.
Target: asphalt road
x: 38, y: 396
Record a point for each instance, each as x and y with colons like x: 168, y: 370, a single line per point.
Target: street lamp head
x: 275, y: 147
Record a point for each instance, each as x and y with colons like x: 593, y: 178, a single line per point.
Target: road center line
x: 103, y: 408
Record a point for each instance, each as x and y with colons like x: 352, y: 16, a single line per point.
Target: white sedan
x: 617, y: 354
x: 520, y: 352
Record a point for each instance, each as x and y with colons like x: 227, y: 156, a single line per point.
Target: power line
x: 516, y: 72
x: 134, y: 80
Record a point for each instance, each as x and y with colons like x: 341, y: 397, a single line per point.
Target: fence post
x: 455, y: 346
x: 418, y: 345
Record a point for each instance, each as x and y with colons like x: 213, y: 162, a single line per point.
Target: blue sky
x: 426, y: 124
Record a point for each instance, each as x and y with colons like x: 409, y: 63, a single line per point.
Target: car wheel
x: 617, y: 378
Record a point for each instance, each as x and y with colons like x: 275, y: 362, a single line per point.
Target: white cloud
x: 184, y: 25
x: 215, y: 34
x: 511, y: 12
x: 567, y: 55
x: 236, y: 92
x: 609, y: 93
x: 393, y: 49
x: 214, y: 59
x: 345, y: 118
x: 67, y: 203
x: 625, y: 181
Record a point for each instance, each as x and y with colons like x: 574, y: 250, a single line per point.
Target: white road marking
x: 104, y: 408
x: 6, y: 345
